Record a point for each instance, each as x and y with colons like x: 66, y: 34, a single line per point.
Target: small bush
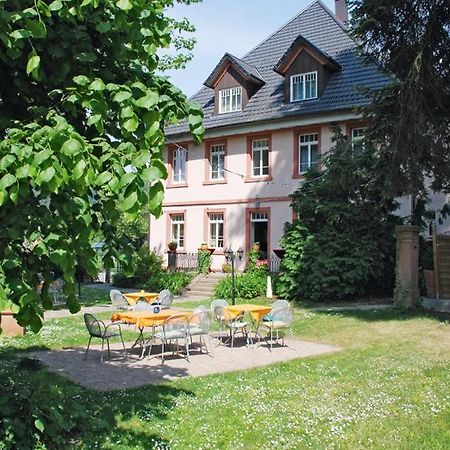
x: 204, y: 261
x: 175, y: 282
x: 248, y: 285
x: 35, y: 413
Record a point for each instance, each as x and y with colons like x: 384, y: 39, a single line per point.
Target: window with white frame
x: 230, y: 100
x: 303, y: 86
x: 358, y: 135
x: 308, y: 150
x: 177, y: 225
x: 217, y: 161
x: 215, y: 230
x: 260, y: 157
x: 179, y: 165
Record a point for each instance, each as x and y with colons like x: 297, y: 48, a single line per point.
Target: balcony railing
x: 186, y: 262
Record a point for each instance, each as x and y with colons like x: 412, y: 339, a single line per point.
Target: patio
x: 118, y: 372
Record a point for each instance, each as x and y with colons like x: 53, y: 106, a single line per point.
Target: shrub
x: 343, y: 242
x: 35, y: 413
x: 247, y: 286
x: 204, y: 261
x: 148, y: 266
x: 175, y: 282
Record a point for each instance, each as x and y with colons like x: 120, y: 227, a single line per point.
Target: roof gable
x: 247, y: 71
x: 303, y: 45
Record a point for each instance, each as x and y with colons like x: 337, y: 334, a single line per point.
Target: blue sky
x: 234, y: 26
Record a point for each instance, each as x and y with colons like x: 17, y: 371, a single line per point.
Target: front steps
x: 202, y: 286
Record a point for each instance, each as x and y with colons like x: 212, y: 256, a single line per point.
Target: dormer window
x: 303, y: 86
x: 230, y: 100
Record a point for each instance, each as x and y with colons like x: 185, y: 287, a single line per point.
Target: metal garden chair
x: 98, y: 329
x: 118, y: 300
x: 173, y: 329
x: 233, y: 323
x: 199, y: 325
x: 281, y: 320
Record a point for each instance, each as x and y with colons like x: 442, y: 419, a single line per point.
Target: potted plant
x: 172, y: 246
x: 256, y: 246
x: 226, y: 268
x: 8, y: 323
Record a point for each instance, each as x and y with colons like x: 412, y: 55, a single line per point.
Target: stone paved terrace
x: 118, y: 372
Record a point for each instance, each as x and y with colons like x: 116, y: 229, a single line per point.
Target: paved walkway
x: 118, y: 372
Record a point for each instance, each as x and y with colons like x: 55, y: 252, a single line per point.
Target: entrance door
x: 259, y: 231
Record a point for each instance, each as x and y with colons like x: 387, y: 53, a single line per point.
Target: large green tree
x: 342, y: 243
x: 82, y: 115
x: 409, y: 118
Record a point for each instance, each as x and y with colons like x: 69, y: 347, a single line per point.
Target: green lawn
x: 388, y: 388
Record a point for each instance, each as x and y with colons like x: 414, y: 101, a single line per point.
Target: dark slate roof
x: 330, y: 62
x: 320, y: 27
x: 248, y: 72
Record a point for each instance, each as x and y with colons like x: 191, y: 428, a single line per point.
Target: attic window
x: 230, y: 100
x: 303, y: 86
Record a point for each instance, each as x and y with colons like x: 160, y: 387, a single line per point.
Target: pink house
x: 268, y: 117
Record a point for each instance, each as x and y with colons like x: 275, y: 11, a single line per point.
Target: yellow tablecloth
x: 257, y: 312
x: 147, y: 318
x: 133, y: 297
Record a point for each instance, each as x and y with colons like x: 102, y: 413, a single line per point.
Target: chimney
x: 341, y: 10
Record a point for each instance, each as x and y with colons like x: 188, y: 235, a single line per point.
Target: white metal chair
x: 173, y: 329
x: 198, y: 325
x: 56, y: 290
x: 165, y: 299
x: 142, y: 305
x: 281, y: 320
x: 118, y: 300
x: 233, y: 323
x: 277, y: 304
x: 98, y: 329
x: 214, y: 304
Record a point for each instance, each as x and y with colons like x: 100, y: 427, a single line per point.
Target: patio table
x: 256, y: 312
x: 133, y: 297
x: 144, y: 319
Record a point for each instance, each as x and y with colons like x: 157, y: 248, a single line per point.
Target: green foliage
x: 204, y: 261
x: 247, y: 286
x: 80, y: 101
x: 409, y: 120
x: 148, y: 266
x: 253, y: 257
x: 343, y: 242
x: 175, y: 282
x: 29, y: 415
x: 135, y: 231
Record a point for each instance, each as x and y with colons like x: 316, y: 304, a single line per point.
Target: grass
x: 388, y: 388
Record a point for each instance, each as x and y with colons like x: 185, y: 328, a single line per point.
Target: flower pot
x: 256, y: 247
x: 9, y: 325
x: 204, y: 246
x: 430, y: 283
x: 172, y: 246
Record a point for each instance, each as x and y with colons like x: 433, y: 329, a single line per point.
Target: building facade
x: 269, y: 117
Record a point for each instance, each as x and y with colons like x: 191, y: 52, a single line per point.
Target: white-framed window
x: 177, y: 229
x: 303, y: 86
x: 216, y: 222
x: 179, y: 165
x: 357, y: 137
x: 217, y: 161
x: 260, y: 157
x: 230, y: 100
x: 308, y: 150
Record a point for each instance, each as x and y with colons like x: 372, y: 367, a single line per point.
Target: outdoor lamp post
x: 230, y: 255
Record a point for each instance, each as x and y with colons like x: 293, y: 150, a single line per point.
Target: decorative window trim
x: 234, y: 91
x: 170, y: 214
x: 170, y: 166
x: 206, y: 228
x: 296, y: 160
x: 208, y: 167
x: 254, y: 178
x: 302, y: 75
